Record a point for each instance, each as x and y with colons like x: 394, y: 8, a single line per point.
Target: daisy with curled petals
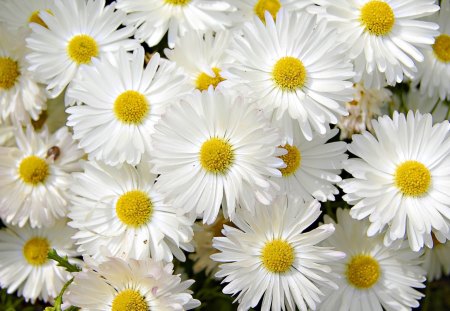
x: 436, y: 260
x: 401, y: 178
x: 305, y: 78
x: 76, y: 32
x: 119, y: 209
x: 213, y: 149
x: 137, y: 285
x: 18, y: 14
x: 122, y: 100
x: 269, y: 254
x: 373, y: 277
x: 25, y: 267
x: 36, y: 176
x: 384, y: 36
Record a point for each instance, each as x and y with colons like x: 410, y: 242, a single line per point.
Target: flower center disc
x: 82, y: 48
x: 273, y: 6
x: 35, y: 251
x: 177, y: 2
x: 204, y: 81
x: 129, y: 300
x: 216, y: 155
x: 134, y: 208
x: 289, y: 73
x: 412, y: 178
x: 33, y: 170
x: 363, y: 271
x: 292, y: 159
x: 131, y: 107
x: 441, y: 48
x: 377, y: 17
x: 9, y: 72
x: 277, y: 256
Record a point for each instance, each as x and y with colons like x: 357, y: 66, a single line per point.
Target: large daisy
x: 18, y: 14
x: 401, y: 178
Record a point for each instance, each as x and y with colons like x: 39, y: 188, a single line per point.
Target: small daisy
x: 76, y: 32
x: 436, y: 260
x: 18, y: 14
x: 401, y: 178
x: 383, y: 36
x: 153, y: 18
x: 212, y: 149
x: 36, y: 176
x: 139, y: 285
x: 268, y: 254
x: 24, y: 265
x: 122, y: 101
x: 119, y: 209
x: 305, y: 77
x: 372, y: 276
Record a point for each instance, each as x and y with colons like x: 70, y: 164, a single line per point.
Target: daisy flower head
x: 373, y: 277
x: 19, y: 14
x: 24, y: 266
x: 269, y: 254
x: 400, y: 178
x: 121, y: 285
x: 213, y: 149
x: 76, y: 32
x: 122, y: 100
x: 36, y: 176
x: 293, y: 66
x: 384, y: 36
x: 119, y: 209
x: 153, y: 18
x: 436, y: 259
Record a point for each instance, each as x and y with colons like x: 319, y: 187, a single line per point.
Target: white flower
x: 18, y: 14
x: 436, y: 260
x: 269, y: 254
x: 76, y: 32
x: 401, y: 178
x: 372, y: 276
x: 35, y: 176
x: 143, y: 284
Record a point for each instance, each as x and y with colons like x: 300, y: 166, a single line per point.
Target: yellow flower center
x: 82, y: 48
x: 292, y: 160
x: 177, y: 2
x: 441, y: 48
x: 34, y: 18
x: 363, y: 271
x: 9, y: 72
x: 273, y: 6
x: 377, y: 17
x: 35, y: 251
x: 33, y: 170
x: 277, y: 256
x: 134, y: 208
x: 216, y: 155
x: 129, y: 300
x: 131, y: 107
x: 289, y: 73
x: 204, y: 81
x: 412, y: 178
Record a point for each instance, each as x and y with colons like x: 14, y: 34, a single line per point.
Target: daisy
x: 18, y: 14
x: 383, y: 36
x: 119, y: 209
x: 24, y: 266
x: 436, y: 260
x: 130, y: 285
x: 372, y: 276
x: 36, y: 176
x: 212, y: 149
x: 401, y: 178
x: 76, y: 33
x: 153, y: 18
x: 122, y: 101
x: 268, y: 254
x: 305, y: 77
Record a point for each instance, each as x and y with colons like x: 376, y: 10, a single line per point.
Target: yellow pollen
x: 177, y: 2
x: 289, y: 73
x: 131, y: 107
x: 9, y: 72
x: 441, y: 48
x: 292, y: 159
x: 82, y: 48
x: 277, y: 256
x: 273, y: 6
x: 34, y: 18
x: 216, y: 155
x: 35, y: 251
x: 134, y: 208
x: 412, y: 178
x: 129, y: 300
x: 204, y: 81
x: 377, y: 17
x: 33, y: 170
x: 363, y: 271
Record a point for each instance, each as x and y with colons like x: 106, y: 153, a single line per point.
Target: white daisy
x: 122, y: 101
x: 305, y: 77
x: 119, y: 209
x: 153, y: 18
x: 35, y: 176
x: 268, y: 254
x: 383, y: 36
x: 212, y: 149
x: 76, y: 33
x: 18, y: 14
x: 436, y: 260
x: 401, y: 178
x: 24, y: 266
x: 139, y: 285
x: 373, y: 277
